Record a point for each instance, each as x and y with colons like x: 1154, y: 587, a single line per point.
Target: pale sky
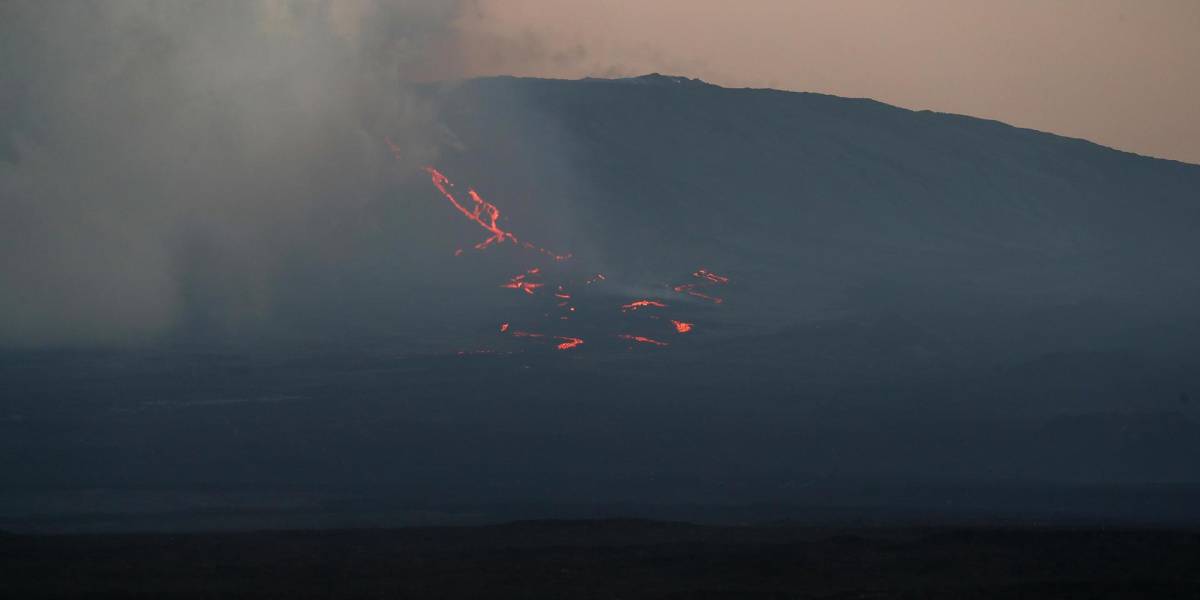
x: 1123, y: 73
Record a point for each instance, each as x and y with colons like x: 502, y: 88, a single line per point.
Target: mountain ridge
x: 661, y: 79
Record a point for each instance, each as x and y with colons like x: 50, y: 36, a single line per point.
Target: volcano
x: 958, y: 243
x: 654, y: 291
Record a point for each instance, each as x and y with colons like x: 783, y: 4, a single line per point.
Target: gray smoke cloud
x: 165, y: 165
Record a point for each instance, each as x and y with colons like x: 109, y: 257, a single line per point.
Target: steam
x: 164, y: 165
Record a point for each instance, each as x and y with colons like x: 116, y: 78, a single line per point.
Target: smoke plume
x: 167, y: 165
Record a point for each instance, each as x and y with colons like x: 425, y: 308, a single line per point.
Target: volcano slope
x: 927, y: 302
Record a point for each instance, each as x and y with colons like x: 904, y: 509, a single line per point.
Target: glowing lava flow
x: 691, y: 291
x: 707, y: 278
x: 636, y: 304
x: 681, y: 327
x: 521, y: 282
x: 642, y: 339
x: 482, y: 208
x: 564, y: 303
x: 524, y: 286
x: 565, y: 343
x: 710, y: 276
x: 484, y: 213
x: 487, y: 216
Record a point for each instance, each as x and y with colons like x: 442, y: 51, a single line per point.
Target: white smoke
x: 162, y: 162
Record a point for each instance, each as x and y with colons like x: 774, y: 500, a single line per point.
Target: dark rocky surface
x: 610, y: 559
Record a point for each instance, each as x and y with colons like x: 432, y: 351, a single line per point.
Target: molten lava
x: 637, y: 304
x: 521, y: 282
x: 487, y: 216
x: 524, y: 286
x: 707, y: 279
x: 710, y: 276
x: 681, y: 326
x: 642, y: 339
x: 483, y: 213
x: 565, y: 343
x: 690, y: 289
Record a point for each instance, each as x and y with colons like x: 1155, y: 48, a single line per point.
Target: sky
x: 1118, y: 72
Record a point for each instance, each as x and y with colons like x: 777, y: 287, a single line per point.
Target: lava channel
x: 638, y: 304
x: 642, y: 339
x: 521, y: 282
x: 483, y: 213
x: 707, y: 278
x: 564, y: 342
x: 681, y: 326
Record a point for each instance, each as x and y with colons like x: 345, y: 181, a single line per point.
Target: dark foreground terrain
x: 610, y: 559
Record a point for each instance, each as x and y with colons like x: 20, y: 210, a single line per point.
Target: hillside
x: 1007, y: 307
